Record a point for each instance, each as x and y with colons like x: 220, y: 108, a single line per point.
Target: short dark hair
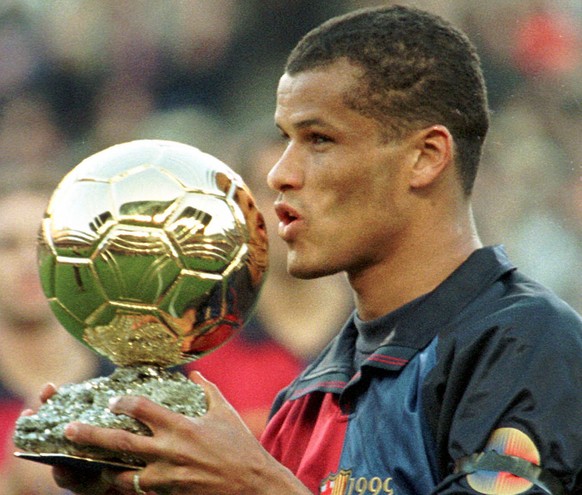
x: 418, y: 70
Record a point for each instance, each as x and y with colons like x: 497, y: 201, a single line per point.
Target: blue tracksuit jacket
x: 477, y: 390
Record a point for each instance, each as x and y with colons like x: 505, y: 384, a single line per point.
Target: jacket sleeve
x: 505, y: 406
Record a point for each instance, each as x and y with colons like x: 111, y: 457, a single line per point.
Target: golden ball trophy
x: 152, y: 254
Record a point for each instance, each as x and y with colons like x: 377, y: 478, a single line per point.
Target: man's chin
x: 305, y: 271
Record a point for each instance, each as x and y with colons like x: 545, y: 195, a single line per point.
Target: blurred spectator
x: 119, y: 109
x: 190, y: 125
x: 29, y: 134
x: 547, y: 41
x: 196, y: 43
x: 524, y: 196
x: 20, y: 49
x: 533, y: 160
x: 34, y: 348
x: 265, y: 34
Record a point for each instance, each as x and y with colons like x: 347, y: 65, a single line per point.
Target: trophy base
x: 75, y: 462
x: 41, y: 436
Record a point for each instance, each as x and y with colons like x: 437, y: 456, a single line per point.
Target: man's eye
x: 319, y: 139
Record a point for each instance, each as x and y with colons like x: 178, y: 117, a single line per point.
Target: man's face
x: 344, y: 196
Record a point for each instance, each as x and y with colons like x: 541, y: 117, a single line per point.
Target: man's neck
x: 413, y: 269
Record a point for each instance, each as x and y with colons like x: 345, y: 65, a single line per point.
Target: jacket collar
x: 333, y: 369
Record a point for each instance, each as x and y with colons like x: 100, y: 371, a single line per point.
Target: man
x: 456, y: 373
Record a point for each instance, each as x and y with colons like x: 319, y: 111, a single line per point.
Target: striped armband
x: 509, y: 464
x: 490, y: 472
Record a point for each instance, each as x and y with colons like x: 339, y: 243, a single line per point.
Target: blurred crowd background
x: 77, y: 76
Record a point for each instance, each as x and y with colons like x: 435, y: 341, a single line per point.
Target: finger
x: 124, y: 481
x: 46, y: 392
x: 217, y: 404
x: 153, y: 415
x: 110, y: 439
x: 213, y: 394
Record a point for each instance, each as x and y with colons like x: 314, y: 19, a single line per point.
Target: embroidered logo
x: 342, y: 483
x: 335, y: 484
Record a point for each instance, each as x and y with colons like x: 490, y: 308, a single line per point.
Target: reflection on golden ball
x: 152, y: 252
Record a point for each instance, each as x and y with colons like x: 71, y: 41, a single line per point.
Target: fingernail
x: 71, y: 430
x: 113, y: 403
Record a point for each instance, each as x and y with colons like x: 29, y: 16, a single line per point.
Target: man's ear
x: 435, y: 153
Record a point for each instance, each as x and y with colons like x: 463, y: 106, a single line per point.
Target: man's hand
x: 212, y: 454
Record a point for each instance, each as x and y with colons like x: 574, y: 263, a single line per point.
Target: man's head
x: 418, y: 71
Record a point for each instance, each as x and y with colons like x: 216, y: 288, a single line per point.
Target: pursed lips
x: 287, y: 217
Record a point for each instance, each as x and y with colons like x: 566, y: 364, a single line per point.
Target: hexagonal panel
x: 77, y: 288
x: 190, y: 290
x: 144, y: 194
x: 205, y: 233
x: 136, y: 264
x: 78, y: 216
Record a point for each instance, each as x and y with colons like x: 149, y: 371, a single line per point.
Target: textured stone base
x: 88, y: 402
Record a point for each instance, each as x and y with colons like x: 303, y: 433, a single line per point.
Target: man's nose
x: 287, y: 172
